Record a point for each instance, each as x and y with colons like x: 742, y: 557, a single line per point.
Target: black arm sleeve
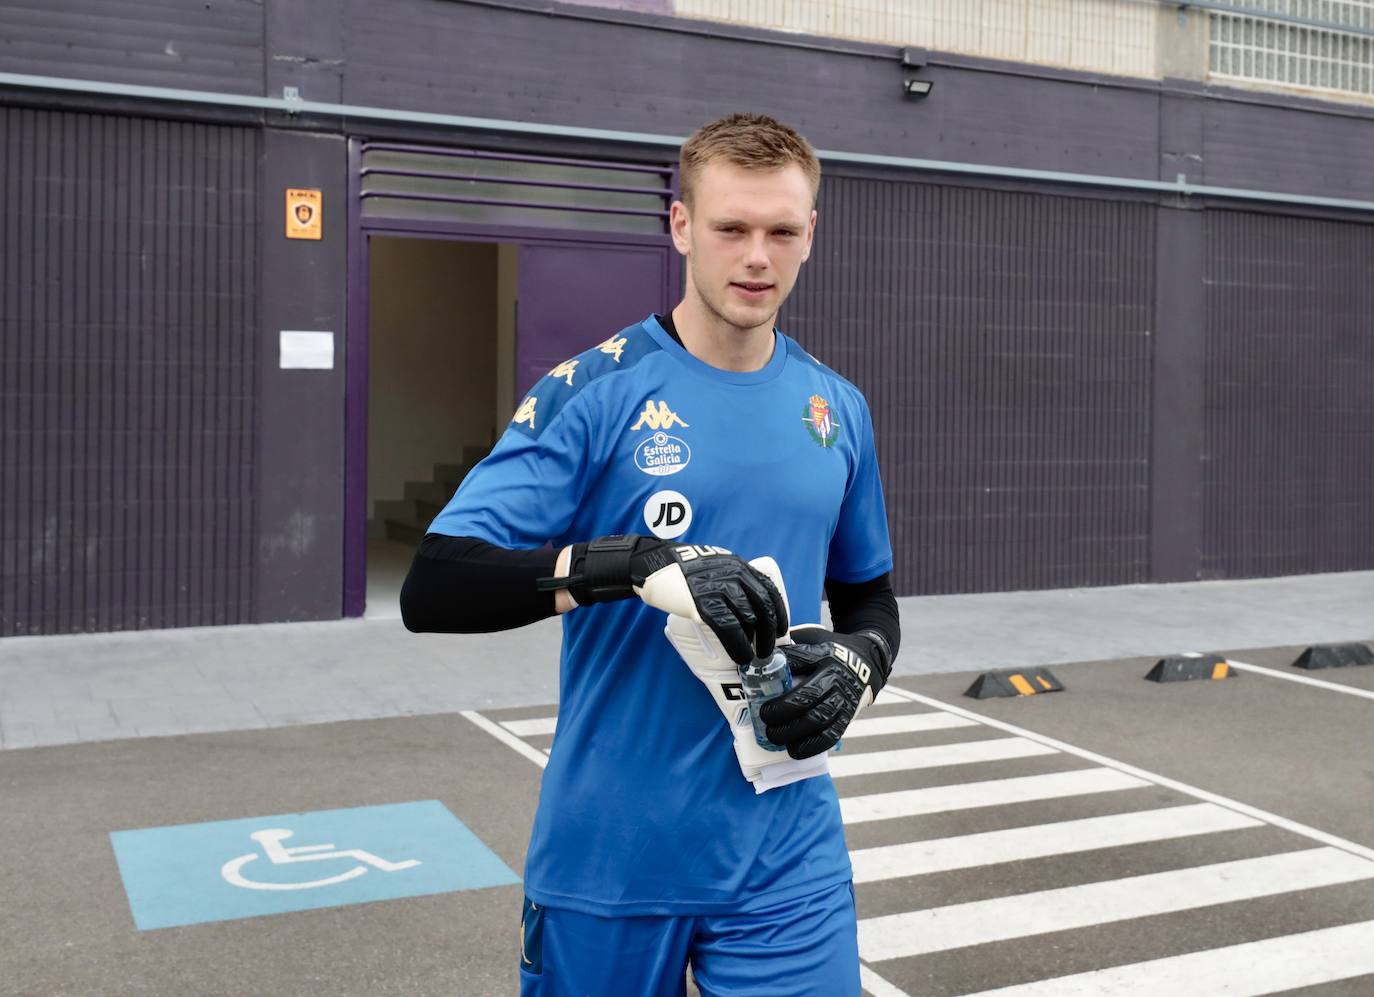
x: 461, y: 585
x: 868, y: 605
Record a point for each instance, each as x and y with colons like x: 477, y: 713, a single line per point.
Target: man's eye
x: 785, y: 233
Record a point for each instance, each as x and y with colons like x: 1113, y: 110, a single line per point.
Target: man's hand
x: 708, y: 584
x: 843, y: 673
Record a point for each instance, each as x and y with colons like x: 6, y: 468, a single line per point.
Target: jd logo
x: 661, y: 417
x: 668, y: 514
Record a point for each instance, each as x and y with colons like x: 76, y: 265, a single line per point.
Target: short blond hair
x: 751, y: 141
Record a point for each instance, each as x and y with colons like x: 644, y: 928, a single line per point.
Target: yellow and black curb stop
x: 1187, y: 667
x: 1334, y: 656
x: 1014, y: 682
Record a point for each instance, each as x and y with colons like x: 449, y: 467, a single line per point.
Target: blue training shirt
x: 643, y: 809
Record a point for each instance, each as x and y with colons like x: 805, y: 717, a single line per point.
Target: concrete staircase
x: 405, y: 519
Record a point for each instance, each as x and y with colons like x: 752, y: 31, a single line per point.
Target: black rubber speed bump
x: 1014, y: 682
x: 1334, y: 656
x: 1183, y: 668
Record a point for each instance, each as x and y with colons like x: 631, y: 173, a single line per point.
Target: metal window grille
x: 1245, y: 47
x: 438, y: 184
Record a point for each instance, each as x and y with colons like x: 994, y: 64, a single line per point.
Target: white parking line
x: 1159, y: 780
x: 1288, y: 962
x: 919, y: 858
x: 507, y: 738
x: 904, y: 723
x: 989, y: 793
x: 934, y: 756
x: 531, y: 728
x: 1305, y: 680
x: 899, y: 936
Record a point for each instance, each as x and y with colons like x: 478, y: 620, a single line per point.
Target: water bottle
x: 764, y: 679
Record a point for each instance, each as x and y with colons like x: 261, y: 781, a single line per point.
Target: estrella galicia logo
x: 662, y: 454
x: 820, y: 423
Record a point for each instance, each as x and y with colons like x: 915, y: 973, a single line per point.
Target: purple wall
x: 1071, y: 387
x: 128, y: 373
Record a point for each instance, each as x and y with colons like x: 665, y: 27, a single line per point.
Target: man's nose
x: 757, y: 256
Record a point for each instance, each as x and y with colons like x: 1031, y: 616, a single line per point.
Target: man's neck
x: 715, y: 342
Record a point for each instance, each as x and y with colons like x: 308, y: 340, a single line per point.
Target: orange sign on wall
x: 303, y: 213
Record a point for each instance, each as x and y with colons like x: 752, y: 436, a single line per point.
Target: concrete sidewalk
x: 64, y: 689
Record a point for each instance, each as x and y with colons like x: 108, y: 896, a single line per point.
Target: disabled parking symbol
x: 224, y: 870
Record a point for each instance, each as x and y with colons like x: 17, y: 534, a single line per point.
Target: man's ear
x: 679, y: 222
x: 810, y: 235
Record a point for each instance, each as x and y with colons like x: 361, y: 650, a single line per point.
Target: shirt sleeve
x: 860, y: 548
x: 527, y: 490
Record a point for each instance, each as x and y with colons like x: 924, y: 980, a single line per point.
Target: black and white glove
x: 708, y: 584
x: 843, y: 673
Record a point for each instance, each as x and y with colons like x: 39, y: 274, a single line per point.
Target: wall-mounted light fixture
x: 915, y: 59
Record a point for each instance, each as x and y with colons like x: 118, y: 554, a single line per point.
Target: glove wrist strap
x: 882, y: 652
x: 598, y: 570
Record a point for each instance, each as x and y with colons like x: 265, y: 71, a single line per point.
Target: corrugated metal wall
x: 1003, y: 342
x: 1289, y: 431
x: 127, y: 377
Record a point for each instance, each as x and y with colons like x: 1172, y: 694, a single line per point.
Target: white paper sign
x: 307, y: 350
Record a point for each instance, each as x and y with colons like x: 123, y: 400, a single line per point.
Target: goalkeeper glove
x: 843, y: 673
x: 710, y: 585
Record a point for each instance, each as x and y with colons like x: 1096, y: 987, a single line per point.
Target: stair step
x: 429, y: 491
x: 406, y: 533
x: 401, y: 510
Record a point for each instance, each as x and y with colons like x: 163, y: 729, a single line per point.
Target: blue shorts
x: 807, y: 946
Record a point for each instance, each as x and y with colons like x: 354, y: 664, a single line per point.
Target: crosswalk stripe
x: 1270, y: 966
x: 876, y: 986
x: 934, y: 756
x: 506, y: 737
x: 993, y: 792
x: 531, y: 728
x: 919, y: 932
x: 905, y: 723
x: 1269, y: 818
x: 917, y: 858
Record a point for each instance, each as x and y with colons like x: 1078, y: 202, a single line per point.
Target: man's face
x: 745, y: 238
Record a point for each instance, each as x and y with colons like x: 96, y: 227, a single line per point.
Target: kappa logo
x: 525, y: 413
x: 614, y: 346
x: 661, y: 417
x: 565, y: 369
x: 820, y: 423
x: 668, y: 514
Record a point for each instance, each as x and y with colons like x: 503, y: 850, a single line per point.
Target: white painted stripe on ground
x: 904, y: 723
x: 531, y: 728
x: 918, y: 858
x: 900, y: 936
x: 507, y: 738
x: 994, y: 792
x: 1304, y: 679
x: 1270, y: 966
x: 876, y: 986
x: 1159, y: 780
x: 934, y: 756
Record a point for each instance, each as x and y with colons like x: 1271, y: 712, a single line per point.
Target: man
x: 645, y: 461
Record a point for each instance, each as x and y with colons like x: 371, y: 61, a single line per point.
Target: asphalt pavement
x: 1118, y: 837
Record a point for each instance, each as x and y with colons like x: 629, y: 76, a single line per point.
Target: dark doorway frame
x: 360, y: 232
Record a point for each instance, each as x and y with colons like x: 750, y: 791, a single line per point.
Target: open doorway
x: 441, y: 384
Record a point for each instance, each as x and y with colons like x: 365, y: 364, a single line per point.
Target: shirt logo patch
x: 614, y: 346
x: 565, y: 369
x: 661, y: 417
x: 662, y: 454
x: 525, y: 413
x: 819, y: 421
x: 668, y: 514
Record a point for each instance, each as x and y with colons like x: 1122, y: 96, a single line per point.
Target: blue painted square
x: 217, y: 871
